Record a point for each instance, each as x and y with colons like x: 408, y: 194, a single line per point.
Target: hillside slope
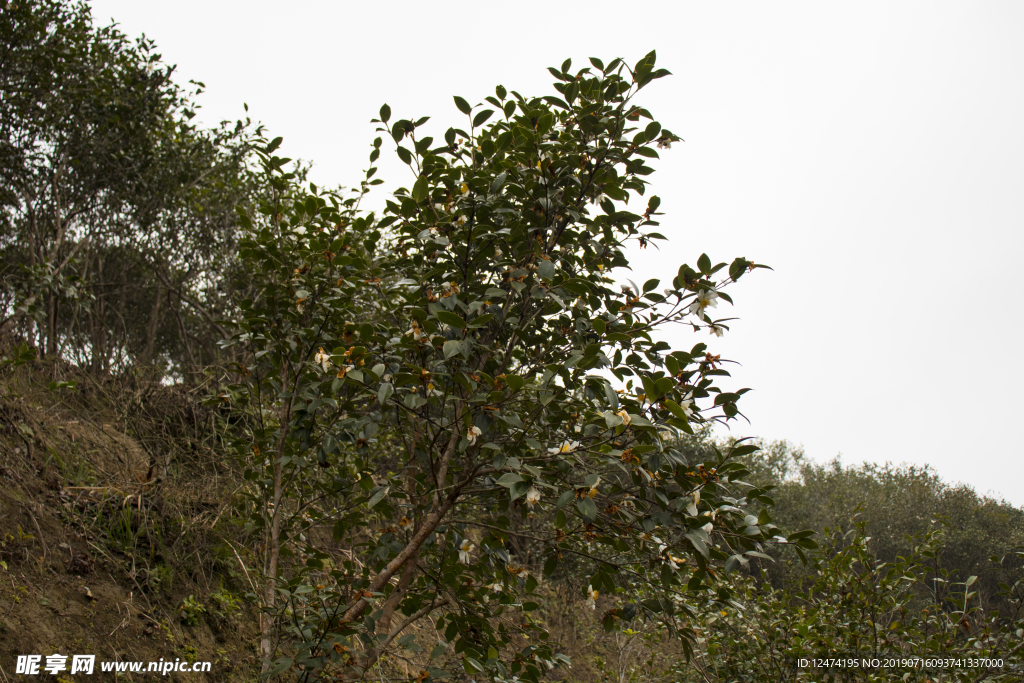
x: 109, y: 492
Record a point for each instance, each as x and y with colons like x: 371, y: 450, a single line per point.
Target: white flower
x: 461, y: 220
x: 705, y: 299
x: 464, y: 549
x: 497, y: 587
x: 716, y: 330
x: 708, y: 527
x: 433, y: 232
x: 415, y: 330
x: 626, y: 419
x: 664, y: 143
x: 686, y: 404
x: 593, y: 489
x: 566, y: 447
x: 591, y: 597
x: 323, y: 359
x: 532, y: 496
x: 472, y: 434
x: 439, y: 208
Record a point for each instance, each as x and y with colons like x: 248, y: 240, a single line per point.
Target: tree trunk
x: 273, y: 550
x: 154, y: 320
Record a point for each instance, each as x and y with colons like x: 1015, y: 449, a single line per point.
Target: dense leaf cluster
x: 436, y: 390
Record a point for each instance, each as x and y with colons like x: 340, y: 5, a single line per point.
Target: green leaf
x: 481, y: 321
x: 676, y: 409
x: 652, y: 131
x: 514, y: 382
x: 385, y: 113
x: 482, y: 116
x: 384, y: 392
x: 450, y: 348
x: 462, y: 104
x: 704, y: 264
x: 587, y: 508
x: 378, y: 496
x: 546, y: 269
x: 451, y: 319
x: 279, y: 666
x: 509, y: 479
x: 419, y: 190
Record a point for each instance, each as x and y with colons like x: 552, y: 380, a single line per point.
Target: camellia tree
x: 429, y: 409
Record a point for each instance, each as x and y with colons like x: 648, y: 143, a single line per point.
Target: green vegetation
x: 444, y: 442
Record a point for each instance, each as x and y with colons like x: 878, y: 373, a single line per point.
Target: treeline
x: 117, y: 213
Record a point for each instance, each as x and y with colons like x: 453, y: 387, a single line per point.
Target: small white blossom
x: 472, y: 434
x: 461, y: 220
x: 464, y: 549
x: 664, y: 143
x: 705, y: 299
x: 433, y: 232
x: 497, y: 586
x: 591, y: 597
x: 439, y: 208
x: 416, y: 331
x: 532, y: 496
x: 626, y: 419
x: 708, y: 527
x: 323, y: 359
x: 566, y: 447
x: 687, y: 404
x: 716, y: 330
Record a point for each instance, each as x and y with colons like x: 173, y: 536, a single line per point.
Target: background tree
x: 117, y: 211
x: 895, y: 504
x: 855, y: 605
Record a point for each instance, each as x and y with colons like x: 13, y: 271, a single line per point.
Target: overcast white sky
x: 872, y: 153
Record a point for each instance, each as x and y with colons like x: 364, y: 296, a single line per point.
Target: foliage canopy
x: 436, y: 385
